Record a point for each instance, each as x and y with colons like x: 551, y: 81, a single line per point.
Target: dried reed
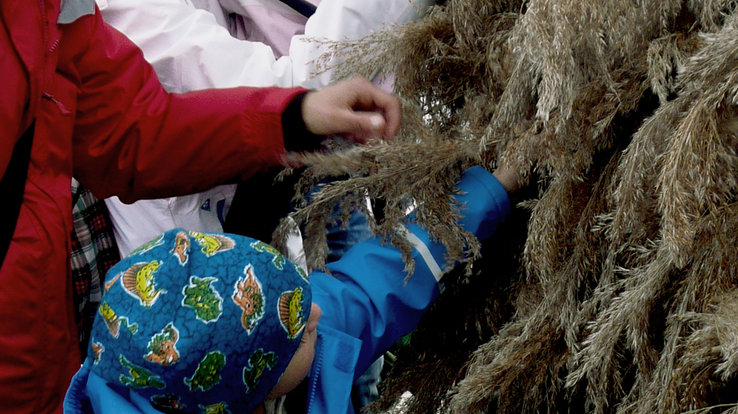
x: 622, y: 294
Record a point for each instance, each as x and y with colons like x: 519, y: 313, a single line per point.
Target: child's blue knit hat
x: 199, y: 321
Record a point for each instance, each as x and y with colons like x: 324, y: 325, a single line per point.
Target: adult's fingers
x: 354, y: 107
x: 362, y: 126
x: 372, y: 98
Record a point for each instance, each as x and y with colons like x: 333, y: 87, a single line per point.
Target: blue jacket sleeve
x: 368, y: 295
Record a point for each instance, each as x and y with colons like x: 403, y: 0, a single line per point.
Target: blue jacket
x: 367, y: 304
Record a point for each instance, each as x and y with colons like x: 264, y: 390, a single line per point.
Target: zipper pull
x: 63, y: 109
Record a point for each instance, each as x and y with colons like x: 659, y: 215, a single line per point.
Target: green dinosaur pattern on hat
x: 207, y: 374
x: 301, y: 272
x: 219, y: 408
x: 203, y: 298
x: 158, y: 241
x: 167, y: 402
x: 279, y: 260
x: 259, y: 362
x: 140, y: 377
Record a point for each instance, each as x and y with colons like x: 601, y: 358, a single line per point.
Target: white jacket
x: 198, y: 44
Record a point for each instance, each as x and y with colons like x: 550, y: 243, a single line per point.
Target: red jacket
x: 102, y: 116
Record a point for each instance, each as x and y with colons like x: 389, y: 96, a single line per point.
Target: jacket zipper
x: 316, y: 373
x: 54, y: 46
x: 44, y: 31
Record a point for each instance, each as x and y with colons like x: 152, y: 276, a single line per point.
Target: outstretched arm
x: 135, y: 140
x: 368, y: 297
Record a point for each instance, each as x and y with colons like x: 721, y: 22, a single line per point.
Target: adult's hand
x: 354, y: 108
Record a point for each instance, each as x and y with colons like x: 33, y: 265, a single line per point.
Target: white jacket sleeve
x: 190, y: 50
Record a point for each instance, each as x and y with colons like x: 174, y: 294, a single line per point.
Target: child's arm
x: 368, y: 296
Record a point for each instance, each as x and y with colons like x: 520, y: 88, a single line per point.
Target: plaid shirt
x: 94, y: 251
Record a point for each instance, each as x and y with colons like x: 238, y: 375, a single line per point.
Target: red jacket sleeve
x: 135, y: 140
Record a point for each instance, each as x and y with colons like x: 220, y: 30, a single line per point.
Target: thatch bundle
x: 614, y: 288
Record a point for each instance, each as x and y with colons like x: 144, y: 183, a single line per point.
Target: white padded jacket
x: 198, y: 44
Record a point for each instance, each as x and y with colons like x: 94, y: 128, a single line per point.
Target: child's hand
x: 355, y: 108
x: 509, y: 177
